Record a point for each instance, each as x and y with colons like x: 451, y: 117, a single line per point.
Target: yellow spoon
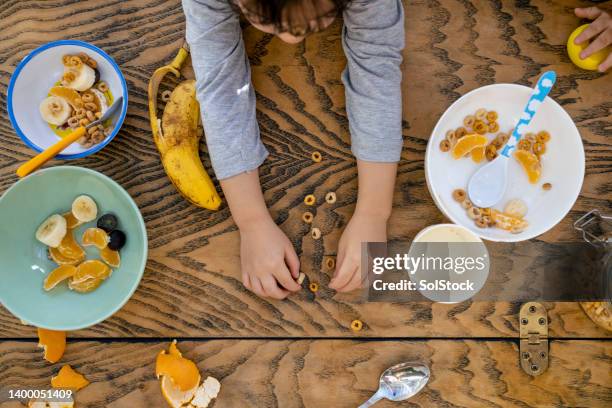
x: 52, y: 151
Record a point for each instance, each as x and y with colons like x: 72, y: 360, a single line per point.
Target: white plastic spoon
x: 488, y: 185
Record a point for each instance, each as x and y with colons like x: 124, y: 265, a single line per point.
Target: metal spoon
x: 53, y: 150
x: 400, y: 382
x: 488, y: 185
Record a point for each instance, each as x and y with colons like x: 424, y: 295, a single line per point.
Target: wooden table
x: 298, y: 352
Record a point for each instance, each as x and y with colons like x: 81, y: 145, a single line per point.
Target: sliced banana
x: 80, y: 78
x: 84, y: 208
x: 516, y: 208
x: 55, y: 110
x: 101, y: 100
x: 52, y: 231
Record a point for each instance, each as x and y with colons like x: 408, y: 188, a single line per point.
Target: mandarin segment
x: 95, y: 236
x: 60, y: 259
x: 507, y: 222
x: 530, y: 163
x: 53, y: 342
x: 478, y: 154
x: 468, y: 143
x: 112, y: 258
x: 58, y: 275
x: 68, y: 378
x: 85, y: 286
x: 91, y: 269
x: 71, y: 221
x: 69, y: 248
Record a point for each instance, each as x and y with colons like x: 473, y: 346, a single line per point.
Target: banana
x: 80, y: 77
x: 55, y: 110
x: 84, y: 208
x: 177, y: 138
x: 52, y: 231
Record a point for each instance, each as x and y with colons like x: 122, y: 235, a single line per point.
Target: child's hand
x: 361, y: 228
x: 600, y: 28
x: 268, y: 261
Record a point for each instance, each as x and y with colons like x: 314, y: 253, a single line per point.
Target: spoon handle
x: 540, y: 91
x: 373, y: 400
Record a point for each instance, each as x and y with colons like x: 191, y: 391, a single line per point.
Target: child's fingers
x: 604, y: 66
x: 284, y: 278
x: 271, y: 288
x: 256, y: 287
x: 344, y: 273
x: 246, y: 281
x: 354, y: 283
x: 588, y: 12
x: 597, y: 44
x: 292, y: 261
x: 591, y: 31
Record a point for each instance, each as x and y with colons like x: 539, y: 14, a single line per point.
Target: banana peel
x: 177, y: 139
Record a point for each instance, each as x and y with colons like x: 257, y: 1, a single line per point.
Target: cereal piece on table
x: 459, y: 195
x: 165, y: 96
x: 546, y: 186
x: 493, y: 127
x: 315, y: 233
x: 445, y: 145
x: 481, y: 114
x: 468, y: 121
x: 330, y: 262
x: 330, y: 197
x: 300, y: 278
x: 356, y: 325
x: 310, y: 199
x: 307, y: 217
x: 314, y: 286
x: 316, y: 157
x: 491, y: 116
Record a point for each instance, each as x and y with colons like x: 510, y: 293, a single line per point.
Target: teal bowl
x: 24, y: 263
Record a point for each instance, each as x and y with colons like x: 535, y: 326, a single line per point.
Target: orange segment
x: 69, y: 248
x: 53, y: 342
x: 70, y: 95
x: 468, y: 143
x: 530, y: 163
x: 95, y: 236
x: 478, y: 154
x: 57, y: 275
x: 60, y: 259
x: 507, y: 222
x: 85, y: 286
x: 68, y: 378
x: 71, y: 221
x: 111, y: 257
x: 92, y: 269
x: 183, y: 372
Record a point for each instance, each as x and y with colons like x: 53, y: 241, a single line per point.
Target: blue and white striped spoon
x: 488, y: 185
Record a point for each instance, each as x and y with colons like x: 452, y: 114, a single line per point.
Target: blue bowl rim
x: 145, y: 249
x: 37, y: 51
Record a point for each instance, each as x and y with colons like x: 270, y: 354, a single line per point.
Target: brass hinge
x: 533, y: 346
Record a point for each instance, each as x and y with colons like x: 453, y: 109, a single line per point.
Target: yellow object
x: 95, y: 236
x: 53, y: 342
x: 43, y: 157
x: 182, y: 372
x: 111, y: 257
x: 468, y: 143
x: 593, y: 61
x: 91, y: 270
x: 69, y: 248
x: 69, y: 379
x: 530, y: 163
x: 60, y: 259
x: 478, y: 154
x: 71, y: 221
x: 506, y: 221
x: 177, y: 139
x: 58, y: 275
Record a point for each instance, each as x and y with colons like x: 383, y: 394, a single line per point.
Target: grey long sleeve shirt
x: 372, y: 39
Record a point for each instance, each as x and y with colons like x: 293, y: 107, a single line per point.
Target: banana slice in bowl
x: 55, y: 110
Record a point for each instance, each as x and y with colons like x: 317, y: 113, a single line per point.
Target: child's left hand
x: 361, y: 228
x: 601, y: 28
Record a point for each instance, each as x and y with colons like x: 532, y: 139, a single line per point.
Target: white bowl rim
x: 145, y: 242
x: 26, y: 60
x: 511, y: 237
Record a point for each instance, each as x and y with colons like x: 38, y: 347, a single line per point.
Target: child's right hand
x: 269, y: 263
x: 600, y: 29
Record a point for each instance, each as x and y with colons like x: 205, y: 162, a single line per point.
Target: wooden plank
x: 192, y: 285
x: 327, y: 373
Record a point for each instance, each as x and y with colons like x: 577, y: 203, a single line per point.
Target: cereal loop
x: 473, y: 213
x: 356, y: 325
x: 543, y: 136
x: 330, y: 197
x: 310, y: 199
x: 316, y: 233
x: 445, y: 145
x: 165, y: 96
x: 459, y: 195
x: 468, y: 121
x: 481, y: 114
x: 546, y: 186
x: 102, y: 87
x: 466, y: 204
x: 493, y: 127
x: 316, y: 157
x: 524, y: 144
x: 491, y: 116
x: 87, y: 97
x: 539, y: 148
x: 460, y: 132
x: 314, y: 286
x: 307, y: 217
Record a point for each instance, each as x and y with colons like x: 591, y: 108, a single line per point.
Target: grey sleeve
x: 373, y: 40
x: 223, y: 86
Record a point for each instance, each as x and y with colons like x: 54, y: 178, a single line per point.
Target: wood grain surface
x: 326, y: 373
x: 192, y: 286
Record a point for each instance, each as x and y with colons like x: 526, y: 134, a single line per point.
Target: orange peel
x: 53, y: 343
x: 68, y: 378
x: 183, y: 372
x: 58, y: 275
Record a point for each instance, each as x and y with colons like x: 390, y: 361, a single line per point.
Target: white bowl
x: 562, y: 164
x: 30, y: 84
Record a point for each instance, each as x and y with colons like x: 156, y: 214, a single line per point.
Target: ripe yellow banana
x: 177, y: 138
